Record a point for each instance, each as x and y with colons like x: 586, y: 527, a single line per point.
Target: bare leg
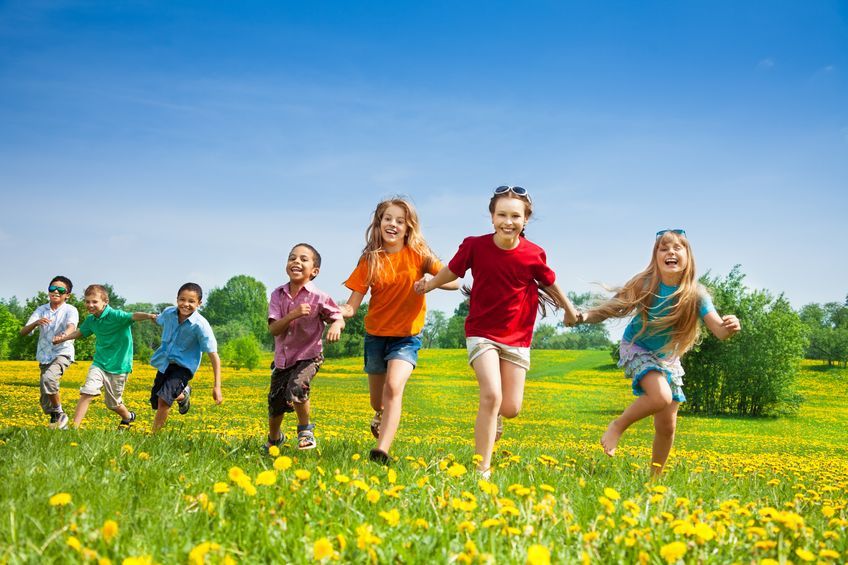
x: 396, y: 377
x: 512, y: 385
x: 302, y: 411
x: 55, y: 401
x: 82, y: 408
x: 376, y: 382
x: 487, y: 368
x: 657, y: 397
x: 122, y: 411
x: 161, y: 415
x: 274, y: 423
x: 665, y: 424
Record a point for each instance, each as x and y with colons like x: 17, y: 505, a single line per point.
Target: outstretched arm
x: 143, y: 316
x: 722, y: 326
x: 350, y: 307
x: 76, y: 334
x: 570, y: 318
x: 444, y: 279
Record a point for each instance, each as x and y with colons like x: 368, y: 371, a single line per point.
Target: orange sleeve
x: 358, y: 279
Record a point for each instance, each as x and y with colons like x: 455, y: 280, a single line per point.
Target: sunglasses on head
x: 516, y: 190
x: 59, y: 289
x: 677, y: 231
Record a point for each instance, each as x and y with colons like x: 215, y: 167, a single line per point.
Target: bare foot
x: 609, y: 440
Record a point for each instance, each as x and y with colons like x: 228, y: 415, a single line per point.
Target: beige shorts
x: 51, y: 373
x: 477, y: 346
x: 111, y: 383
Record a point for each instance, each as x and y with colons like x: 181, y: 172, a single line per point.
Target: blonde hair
x: 374, y: 254
x: 680, y: 315
x: 93, y: 289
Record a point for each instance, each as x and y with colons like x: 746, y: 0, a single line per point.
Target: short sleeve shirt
x: 504, y: 295
x: 59, y: 318
x: 395, y: 309
x: 302, y: 339
x: 183, y: 343
x: 113, y: 350
x: 655, y: 341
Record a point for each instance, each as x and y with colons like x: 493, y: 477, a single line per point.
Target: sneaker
x: 62, y: 421
x: 375, y: 424
x: 485, y: 475
x: 379, y: 456
x: 54, y: 418
x: 499, y: 428
x: 185, y: 403
x: 306, y: 437
x: 127, y: 423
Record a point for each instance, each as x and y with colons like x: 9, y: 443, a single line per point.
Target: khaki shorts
x: 477, y: 346
x: 50, y: 375
x: 111, y: 383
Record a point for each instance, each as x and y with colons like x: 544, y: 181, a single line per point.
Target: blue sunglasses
x: 516, y: 190
x: 677, y: 231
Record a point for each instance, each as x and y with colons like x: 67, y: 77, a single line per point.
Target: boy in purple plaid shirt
x: 297, y: 314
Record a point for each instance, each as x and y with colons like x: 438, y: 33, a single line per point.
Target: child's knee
x: 510, y: 410
x: 665, y: 428
x: 490, y: 399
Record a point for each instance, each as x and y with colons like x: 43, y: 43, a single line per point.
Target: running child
x: 113, y: 353
x: 297, y: 314
x: 394, y: 257
x: 186, y: 335
x: 666, y: 302
x: 57, y: 317
x: 510, y: 274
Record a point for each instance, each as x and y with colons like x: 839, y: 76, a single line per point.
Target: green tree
x: 10, y: 327
x: 243, y: 300
x: 755, y: 372
x: 453, y: 336
x: 435, y: 325
x: 828, y: 331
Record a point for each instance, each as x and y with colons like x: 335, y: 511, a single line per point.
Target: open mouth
x: 671, y: 261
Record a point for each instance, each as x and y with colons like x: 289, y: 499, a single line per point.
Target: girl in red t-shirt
x: 510, y: 273
x: 395, y: 256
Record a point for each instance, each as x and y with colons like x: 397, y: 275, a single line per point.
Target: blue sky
x: 145, y: 144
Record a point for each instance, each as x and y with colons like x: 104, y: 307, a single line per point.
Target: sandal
x: 274, y: 442
x: 306, y: 437
x: 499, y: 428
x: 375, y: 423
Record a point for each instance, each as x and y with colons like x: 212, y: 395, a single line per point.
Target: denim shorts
x: 379, y: 350
x: 169, y: 385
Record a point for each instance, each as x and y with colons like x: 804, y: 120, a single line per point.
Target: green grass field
x: 736, y: 490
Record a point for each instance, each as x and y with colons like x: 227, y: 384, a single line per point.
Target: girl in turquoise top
x: 666, y: 302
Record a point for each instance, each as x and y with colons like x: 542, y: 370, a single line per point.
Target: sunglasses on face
x: 677, y: 231
x: 59, y: 289
x: 516, y: 190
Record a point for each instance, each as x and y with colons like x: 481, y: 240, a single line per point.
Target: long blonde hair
x: 374, y: 254
x: 680, y: 314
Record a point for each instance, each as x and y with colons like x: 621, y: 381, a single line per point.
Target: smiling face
x: 188, y: 302
x: 509, y: 219
x: 393, y: 228
x: 300, y: 266
x: 672, y: 258
x: 95, y: 302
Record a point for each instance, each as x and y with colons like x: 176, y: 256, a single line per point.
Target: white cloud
x: 767, y: 63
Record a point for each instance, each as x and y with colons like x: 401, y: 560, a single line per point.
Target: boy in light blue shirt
x: 186, y: 335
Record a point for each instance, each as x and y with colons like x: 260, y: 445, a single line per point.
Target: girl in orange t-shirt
x: 394, y: 257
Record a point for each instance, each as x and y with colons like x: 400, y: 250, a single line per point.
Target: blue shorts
x: 379, y: 350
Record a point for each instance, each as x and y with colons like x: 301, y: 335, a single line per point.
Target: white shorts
x: 111, y: 383
x: 477, y: 346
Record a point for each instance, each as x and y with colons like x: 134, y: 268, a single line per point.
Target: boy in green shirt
x: 113, y: 353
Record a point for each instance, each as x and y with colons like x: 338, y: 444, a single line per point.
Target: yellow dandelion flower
x: 266, y: 478
x: 60, y: 499
x: 805, y: 555
x: 73, y: 543
x: 274, y: 451
x: 109, y: 530
x: 421, y: 523
x: 828, y: 554
x: 197, y: 556
x: 220, y: 488
x: 391, y: 476
x: 673, y: 551
x: 355, y: 457
x: 373, y: 496
x: 828, y: 511
x: 365, y: 537
x: 768, y: 561
x: 611, y: 493
x: 466, y: 526
x: 282, y: 463
x: 342, y: 541
x: 704, y: 532
x: 487, y: 487
x: 235, y: 473
x: 343, y: 479
x: 302, y: 474
x: 457, y: 470
x: 322, y: 549
x: 127, y: 449
x: 143, y: 455
x: 589, y: 537
x: 104, y: 561
x: 392, y: 517
x: 538, y: 555
x: 547, y: 488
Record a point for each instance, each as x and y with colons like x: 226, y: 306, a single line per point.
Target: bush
x: 755, y: 372
x: 242, y: 352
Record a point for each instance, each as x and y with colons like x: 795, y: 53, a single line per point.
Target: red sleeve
x: 461, y: 261
x: 544, y: 275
